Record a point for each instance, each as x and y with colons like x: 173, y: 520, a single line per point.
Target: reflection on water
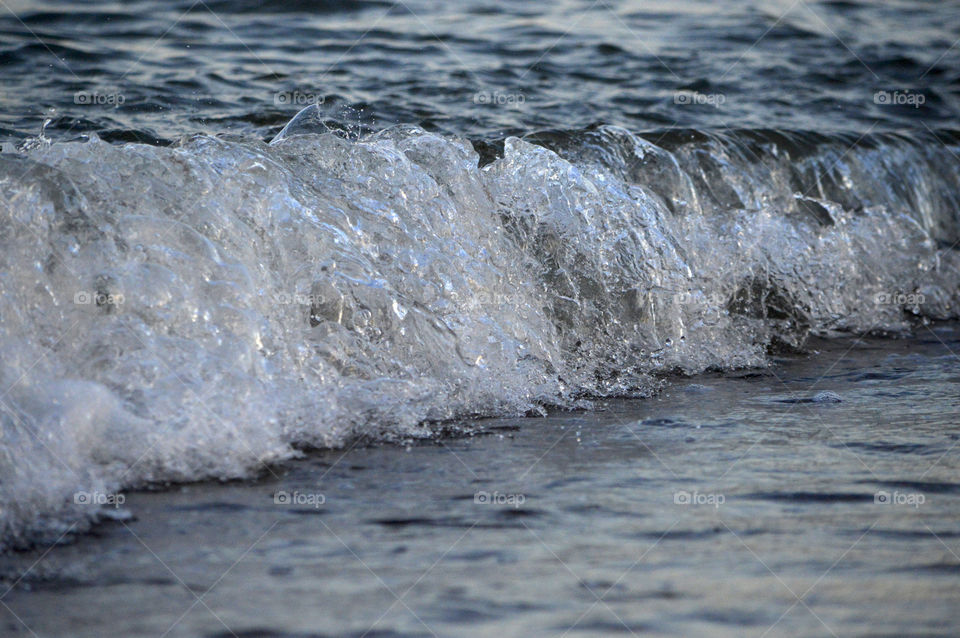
x: 715, y: 509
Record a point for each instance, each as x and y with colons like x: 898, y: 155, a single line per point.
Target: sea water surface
x: 155, y: 70
x: 235, y: 233
x: 816, y: 498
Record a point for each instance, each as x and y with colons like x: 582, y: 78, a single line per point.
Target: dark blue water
x: 347, y: 256
x: 479, y: 68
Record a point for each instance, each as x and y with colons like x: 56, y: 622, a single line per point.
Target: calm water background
x: 476, y: 67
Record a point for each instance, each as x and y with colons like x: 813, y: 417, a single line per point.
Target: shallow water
x: 587, y: 529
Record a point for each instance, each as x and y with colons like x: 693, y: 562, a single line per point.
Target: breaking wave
x: 196, y: 311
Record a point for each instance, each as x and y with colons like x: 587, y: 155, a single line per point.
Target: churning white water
x: 196, y: 311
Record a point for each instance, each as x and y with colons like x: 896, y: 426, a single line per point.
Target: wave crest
x: 200, y: 310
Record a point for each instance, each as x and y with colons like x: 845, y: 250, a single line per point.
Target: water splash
x: 201, y: 310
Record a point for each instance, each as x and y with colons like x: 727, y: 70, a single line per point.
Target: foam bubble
x: 204, y: 310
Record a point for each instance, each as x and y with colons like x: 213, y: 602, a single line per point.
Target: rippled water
x: 817, y: 498
x: 236, y: 233
x: 477, y: 67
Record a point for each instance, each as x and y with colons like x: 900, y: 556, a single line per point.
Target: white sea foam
x: 197, y: 311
